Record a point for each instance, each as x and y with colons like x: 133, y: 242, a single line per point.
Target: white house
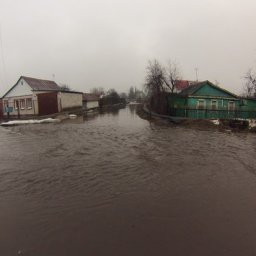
x: 32, y: 96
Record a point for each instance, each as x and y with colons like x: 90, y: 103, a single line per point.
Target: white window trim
x: 24, y: 106
x: 229, y: 106
x: 198, y: 104
x: 216, y: 104
x: 31, y: 103
x: 14, y: 103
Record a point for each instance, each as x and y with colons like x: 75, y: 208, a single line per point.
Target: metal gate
x: 47, y: 103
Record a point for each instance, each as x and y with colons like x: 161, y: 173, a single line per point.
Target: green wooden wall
x: 188, y: 107
x: 208, y: 90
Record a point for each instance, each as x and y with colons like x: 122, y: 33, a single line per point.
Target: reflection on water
x: 132, y: 109
x: 114, y: 184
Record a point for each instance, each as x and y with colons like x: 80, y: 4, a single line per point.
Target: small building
x: 206, y: 100
x: 90, y: 101
x: 32, y: 96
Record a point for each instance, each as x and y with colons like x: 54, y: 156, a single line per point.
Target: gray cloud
x: 107, y: 43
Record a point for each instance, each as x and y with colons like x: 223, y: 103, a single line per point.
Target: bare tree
x: 98, y: 91
x: 155, y: 87
x: 172, y: 76
x: 250, y: 84
x: 160, y: 78
x: 155, y: 78
x: 65, y: 87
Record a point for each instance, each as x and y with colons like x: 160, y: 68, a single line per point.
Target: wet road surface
x: 115, y: 184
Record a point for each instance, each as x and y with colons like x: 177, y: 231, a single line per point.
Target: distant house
x: 32, y: 96
x: 181, y: 85
x: 90, y: 101
x: 206, y: 100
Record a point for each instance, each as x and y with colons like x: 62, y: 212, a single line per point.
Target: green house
x: 206, y: 100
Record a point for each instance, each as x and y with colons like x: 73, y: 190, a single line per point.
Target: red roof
x: 181, y: 84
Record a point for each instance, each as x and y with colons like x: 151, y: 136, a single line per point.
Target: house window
x: 29, y: 103
x: 22, y: 104
x: 231, y: 105
x: 201, y: 104
x: 243, y: 102
x: 16, y: 104
x: 5, y: 104
x: 214, y: 104
x: 21, y: 82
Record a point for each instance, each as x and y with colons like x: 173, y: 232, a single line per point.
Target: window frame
x: 234, y: 106
x: 198, y: 104
x: 216, y: 107
x: 16, y: 106
x: 5, y: 103
x: 22, y: 104
x: 27, y: 100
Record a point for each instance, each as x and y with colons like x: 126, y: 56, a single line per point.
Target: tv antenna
x: 196, y: 70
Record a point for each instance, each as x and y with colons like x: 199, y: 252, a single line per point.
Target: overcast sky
x: 107, y: 43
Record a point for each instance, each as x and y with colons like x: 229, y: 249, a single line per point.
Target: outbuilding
x: 90, y: 101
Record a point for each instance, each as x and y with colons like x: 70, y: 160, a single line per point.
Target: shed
x: 90, y: 101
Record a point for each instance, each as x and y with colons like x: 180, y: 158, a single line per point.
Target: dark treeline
x: 111, y: 98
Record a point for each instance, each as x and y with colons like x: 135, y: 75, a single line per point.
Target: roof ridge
x: 223, y: 89
x: 28, y: 77
x: 190, y: 90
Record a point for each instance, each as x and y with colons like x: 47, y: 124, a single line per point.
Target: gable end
x: 20, y: 88
x: 211, y: 90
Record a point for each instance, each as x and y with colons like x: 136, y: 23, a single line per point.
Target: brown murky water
x: 115, y: 184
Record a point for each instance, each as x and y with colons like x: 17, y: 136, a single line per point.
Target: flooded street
x: 115, y: 184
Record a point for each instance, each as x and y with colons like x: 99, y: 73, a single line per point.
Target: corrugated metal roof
x: 41, y: 85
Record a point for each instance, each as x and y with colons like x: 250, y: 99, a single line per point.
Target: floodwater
x: 115, y: 184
